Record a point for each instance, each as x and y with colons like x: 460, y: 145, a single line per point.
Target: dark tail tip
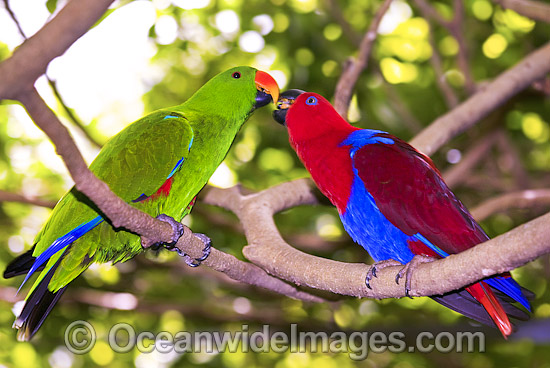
x: 20, y: 265
x: 37, y: 307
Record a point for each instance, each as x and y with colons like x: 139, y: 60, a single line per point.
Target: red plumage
x: 412, y: 195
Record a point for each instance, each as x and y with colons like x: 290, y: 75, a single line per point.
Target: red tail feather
x: 483, y: 294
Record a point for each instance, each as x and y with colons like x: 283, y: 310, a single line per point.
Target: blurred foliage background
x: 146, y: 55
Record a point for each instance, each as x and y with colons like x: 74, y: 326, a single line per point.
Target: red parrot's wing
x: 410, y: 192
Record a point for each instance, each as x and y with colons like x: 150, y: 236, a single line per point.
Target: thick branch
x: 531, y: 68
x: 354, y: 68
x: 535, y: 10
x: 268, y: 249
x: 239, y: 270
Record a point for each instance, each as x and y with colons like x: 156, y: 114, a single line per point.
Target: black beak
x: 262, y: 99
x: 286, y: 99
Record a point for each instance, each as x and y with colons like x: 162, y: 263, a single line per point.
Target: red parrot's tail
x: 483, y: 294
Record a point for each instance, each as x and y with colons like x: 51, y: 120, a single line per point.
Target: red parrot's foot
x: 409, y: 269
x: 379, y: 266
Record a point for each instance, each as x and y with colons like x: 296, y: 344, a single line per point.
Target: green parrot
x: 157, y: 164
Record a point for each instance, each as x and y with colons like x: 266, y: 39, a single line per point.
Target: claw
x: 408, y: 270
x: 378, y: 266
x: 177, y: 227
x: 195, y: 262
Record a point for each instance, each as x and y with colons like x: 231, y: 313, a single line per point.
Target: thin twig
x: 522, y: 199
x: 430, y: 12
x: 15, y: 197
x: 408, y: 119
x: 449, y: 94
x: 478, y: 151
x: 512, y: 157
x: 71, y: 115
x: 14, y: 18
x: 454, y: 27
x: 30, y: 60
x: 348, y: 30
x: 535, y: 10
x: 354, y: 67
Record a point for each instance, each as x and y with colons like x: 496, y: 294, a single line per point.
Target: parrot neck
x: 202, y: 102
x: 329, y: 164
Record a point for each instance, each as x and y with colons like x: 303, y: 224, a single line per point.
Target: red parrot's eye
x: 236, y: 75
x: 311, y: 101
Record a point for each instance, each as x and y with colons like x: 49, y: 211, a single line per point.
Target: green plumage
x: 137, y: 161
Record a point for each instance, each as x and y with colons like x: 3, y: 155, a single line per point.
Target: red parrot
x: 393, y: 201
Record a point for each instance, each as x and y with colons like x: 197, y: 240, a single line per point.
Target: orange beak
x: 266, y: 85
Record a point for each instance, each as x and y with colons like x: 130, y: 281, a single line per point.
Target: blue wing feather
x: 60, y: 244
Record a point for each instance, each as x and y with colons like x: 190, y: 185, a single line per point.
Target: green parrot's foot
x: 177, y: 227
x: 195, y: 262
x: 409, y: 269
x: 379, y: 266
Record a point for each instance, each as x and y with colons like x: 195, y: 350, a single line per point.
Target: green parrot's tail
x: 21, y: 265
x: 37, y: 307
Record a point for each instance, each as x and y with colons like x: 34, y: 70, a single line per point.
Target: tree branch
x: 72, y: 116
x: 449, y: 94
x: 522, y: 199
x: 15, y: 197
x: 532, y: 67
x: 354, y: 68
x: 268, y: 249
x: 535, y: 10
x: 454, y: 27
x: 479, y: 150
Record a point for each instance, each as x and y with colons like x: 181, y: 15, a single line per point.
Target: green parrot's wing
x: 138, y: 160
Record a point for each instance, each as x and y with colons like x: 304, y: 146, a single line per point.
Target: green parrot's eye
x: 236, y: 75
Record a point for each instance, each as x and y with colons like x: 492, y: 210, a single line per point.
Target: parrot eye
x: 236, y: 75
x: 311, y: 101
